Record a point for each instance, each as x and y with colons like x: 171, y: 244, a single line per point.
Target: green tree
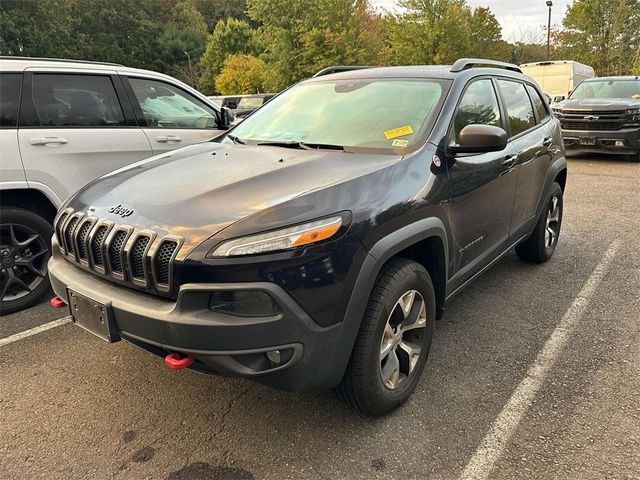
x: 215, y: 10
x: 230, y: 37
x: 314, y: 34
x: 441, y: 31
x: 241, y: 74
x: 486, y: 36
x: 36, y: 28
x: 182, y: 42
x: 602, y: 33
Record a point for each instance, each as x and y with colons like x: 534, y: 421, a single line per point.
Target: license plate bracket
x: 590, y: 141
x: 93, y: 316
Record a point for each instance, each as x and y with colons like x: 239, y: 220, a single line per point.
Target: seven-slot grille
x: 118, y: 251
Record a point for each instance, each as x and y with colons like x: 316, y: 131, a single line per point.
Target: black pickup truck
x: 603, y: 115
x: 315, y: 244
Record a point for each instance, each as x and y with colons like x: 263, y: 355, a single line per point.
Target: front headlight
x: 282, y: 239
x: 633, y: 114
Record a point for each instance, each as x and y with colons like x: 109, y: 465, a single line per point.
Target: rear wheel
x: 393, y: 342
x: 539, y: 247
x: 24, y: 252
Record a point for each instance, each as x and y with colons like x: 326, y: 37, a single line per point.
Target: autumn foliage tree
x: 241, y: 74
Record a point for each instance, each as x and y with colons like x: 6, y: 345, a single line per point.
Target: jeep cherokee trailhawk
x: 315, y: 244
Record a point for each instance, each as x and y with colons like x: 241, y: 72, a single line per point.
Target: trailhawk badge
x: 120, y: 210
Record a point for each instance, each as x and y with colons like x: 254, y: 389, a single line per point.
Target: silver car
x: 64, y: 123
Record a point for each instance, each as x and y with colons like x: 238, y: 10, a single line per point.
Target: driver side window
x: 479, y: 105
x: 166, y: 106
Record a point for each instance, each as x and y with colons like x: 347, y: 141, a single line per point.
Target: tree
x: 215, y: 10
x: 182, y: 42
x: 441, y: 31
x: 486, y: 36
x: 36, y: 28
x: 241, y: 74
x: 602, y: 33
x: 230, y: 37
x: 314, y: 34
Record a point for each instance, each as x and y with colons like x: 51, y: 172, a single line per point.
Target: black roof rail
x: 91, y: 62
x: 466, y: 63
x: 338, y: 69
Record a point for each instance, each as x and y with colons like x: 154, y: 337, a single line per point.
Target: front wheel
x: 24, y: 251
x: 539, y: 247
x: 393, y: 343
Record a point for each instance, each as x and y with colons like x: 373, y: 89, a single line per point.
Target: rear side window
x: 479, y: 105
x: 538, y: 104
x: 75, y: 101
x: 166, y: 106
x: 9, y: 98
x: 518, y: 105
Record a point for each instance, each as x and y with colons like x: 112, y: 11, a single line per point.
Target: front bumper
x: 605, y: 140
x: 224, y: 344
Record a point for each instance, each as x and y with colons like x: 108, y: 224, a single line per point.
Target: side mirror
x: 478, y: 138
x: 226, y: 118
x: 558, y: 98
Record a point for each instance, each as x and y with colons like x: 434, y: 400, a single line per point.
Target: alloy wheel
x: 402, y: 339
x: 553, y: 222
x: 23, y: 261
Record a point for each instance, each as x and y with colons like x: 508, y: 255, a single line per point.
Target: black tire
x: 537, y: 248
x: 25, y: 248
x: 636, y: 157
x: 362, y: 386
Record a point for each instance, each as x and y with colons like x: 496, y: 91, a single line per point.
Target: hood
x: 197, y: 191
x: 598, y: 104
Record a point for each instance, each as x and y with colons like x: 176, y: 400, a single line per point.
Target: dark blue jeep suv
x: 314, y: 244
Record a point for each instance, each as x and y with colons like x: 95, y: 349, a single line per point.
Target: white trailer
x: 558, y: 78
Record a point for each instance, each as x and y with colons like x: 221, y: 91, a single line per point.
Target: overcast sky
x: 520, y: 19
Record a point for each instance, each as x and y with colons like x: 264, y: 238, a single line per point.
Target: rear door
x: 75, y: 127
x: 530, y: 137
x: 11, y: 171
x: 171, y: 116
x: 482, y: 186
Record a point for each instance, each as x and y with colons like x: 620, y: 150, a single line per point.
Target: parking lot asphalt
x: 72, y: 406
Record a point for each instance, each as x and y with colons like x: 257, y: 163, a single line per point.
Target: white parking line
x: 505, y: 424
x: 34, y: 331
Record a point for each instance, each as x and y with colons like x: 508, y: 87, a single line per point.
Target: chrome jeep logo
x: 120, y: 210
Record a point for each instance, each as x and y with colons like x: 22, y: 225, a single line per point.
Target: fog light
x: 619, y: 143
x: 244, y: 303
x: 273, y: 356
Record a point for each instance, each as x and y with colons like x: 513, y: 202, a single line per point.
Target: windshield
x: 608, y: 89
x: 385, y: 114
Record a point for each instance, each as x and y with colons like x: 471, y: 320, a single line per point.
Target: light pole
x: 549, y: 4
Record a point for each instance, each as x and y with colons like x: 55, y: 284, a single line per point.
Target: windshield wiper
x: 235, y: 139
x: 302, y: 145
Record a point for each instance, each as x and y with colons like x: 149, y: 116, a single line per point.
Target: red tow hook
x: 177, y: 362
x: 57, y: 302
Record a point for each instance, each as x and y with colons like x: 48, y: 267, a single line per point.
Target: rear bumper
x: 605, y: 141
x: 223, y: 344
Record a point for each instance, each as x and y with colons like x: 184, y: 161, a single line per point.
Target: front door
x: 75, y: 128
x: 172, y: 117
x: 482, y: 188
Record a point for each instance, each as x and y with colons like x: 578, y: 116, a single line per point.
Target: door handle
x: 509, y: 160
x: 168, y: 138
x: 48, y: 141
x: 547, y: 142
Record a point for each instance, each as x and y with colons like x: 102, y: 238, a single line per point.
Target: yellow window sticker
x: 400, y: 143
x: 398, y: 132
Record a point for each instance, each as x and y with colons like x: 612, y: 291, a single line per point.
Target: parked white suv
x: 64, y: 123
